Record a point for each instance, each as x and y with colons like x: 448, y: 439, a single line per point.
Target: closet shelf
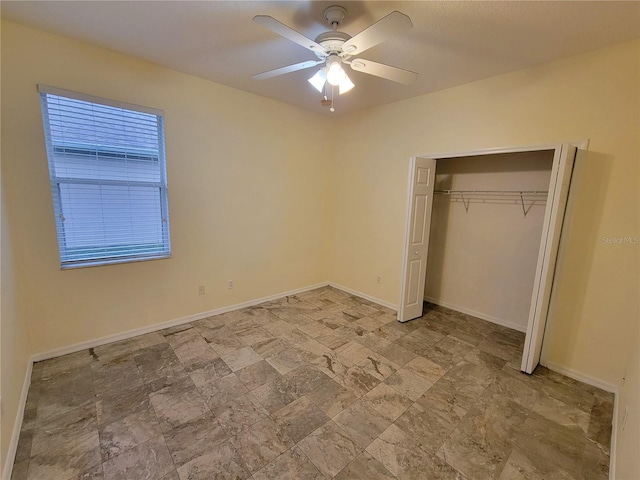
x: 493, y: 192
x: 506, y: 193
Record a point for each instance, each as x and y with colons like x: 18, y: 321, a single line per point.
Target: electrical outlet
x: 201, y: 290
x: 230, y: 284
x: 379, y: 279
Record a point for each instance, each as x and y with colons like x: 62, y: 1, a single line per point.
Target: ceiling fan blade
x: 288, y: 33
x: 385, y: 71
x: 288, y: 69
x: 393, y: 24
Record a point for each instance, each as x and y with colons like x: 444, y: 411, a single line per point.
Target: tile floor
x: 314, y: 386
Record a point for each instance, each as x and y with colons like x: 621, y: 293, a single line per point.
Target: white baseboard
x: 384, y: 303
x: 96, y: 342
x: 17, y: 424
x: 581, y: 377
x: 474, y: 313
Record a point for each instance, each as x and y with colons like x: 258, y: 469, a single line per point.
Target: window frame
x: 57, y: 181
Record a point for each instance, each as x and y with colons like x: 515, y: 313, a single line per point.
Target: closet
x: 486, y: 224
x: 482, y: 235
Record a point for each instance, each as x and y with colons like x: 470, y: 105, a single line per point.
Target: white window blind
x: 108, y: 179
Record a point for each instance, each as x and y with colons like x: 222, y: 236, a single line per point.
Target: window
x: 108, y: 179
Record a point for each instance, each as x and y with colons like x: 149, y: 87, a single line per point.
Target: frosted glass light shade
x: 318, y: 80
x: 346, y: 84
x: 335, y: 74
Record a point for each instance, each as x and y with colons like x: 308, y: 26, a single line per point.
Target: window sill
x: 113, y: 261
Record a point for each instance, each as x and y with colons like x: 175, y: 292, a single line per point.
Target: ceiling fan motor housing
x: 335, y: 15
x: 332, y: 42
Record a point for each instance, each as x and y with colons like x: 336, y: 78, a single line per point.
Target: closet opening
x: 482, y: 236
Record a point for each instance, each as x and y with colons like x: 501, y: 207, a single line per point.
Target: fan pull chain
x: 332, y: 109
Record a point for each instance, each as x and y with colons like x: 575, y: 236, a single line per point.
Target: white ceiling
x: 451, y: 43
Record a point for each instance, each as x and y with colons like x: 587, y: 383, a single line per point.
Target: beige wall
x: 482, y: 260
x: 627, y: 461
x: 595, y: 96
x: 247, y: 188
x: 15, y: 346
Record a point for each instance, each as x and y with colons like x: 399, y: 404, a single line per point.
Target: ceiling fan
x: 335, y: 49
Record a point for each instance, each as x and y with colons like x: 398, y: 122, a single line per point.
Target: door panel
x: 421, y: 178
x: 547, y: 256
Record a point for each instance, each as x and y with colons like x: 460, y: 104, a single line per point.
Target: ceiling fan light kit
x: 334, y: 49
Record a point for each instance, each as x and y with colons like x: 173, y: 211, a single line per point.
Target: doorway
x: 421, y: 192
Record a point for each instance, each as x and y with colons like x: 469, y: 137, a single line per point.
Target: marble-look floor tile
x: 329, y: 364
x: 304, y: 380
x: 387, y: 401
x: 408, y: 383
x: 327, y: 370
x: 95, y: 473
x: 373, y: 342
x: 190, y: 347
x: 600, y: 424
x: 479, y: 357
x: 223, y: 463
x: 275, y: 395
x: 202, y: 373
x: 396, y: 354
x: 550, y: 446
x: 261, y: 443
x: 114, y: 407
x: 128, y: 432
x: 65, y: 363
x: 508, y: 388
x: 286, y: 360
x: 225, y: 344
x: 392, y: 331
x: 66, y: 459
x: 241, y: 358
x: 352, y: 353
x: 177, y: 404
x: 378, y: 366
x: 398, y: 454
x: 218, y: 393
x: 75, y: 429
x: 257, y: 374
x: 63, y: 393
x: 364, y: 467
x: 128, y: 346
x: 194, y: 438
x: 471, y: 380
x: 271, y: 346
x: 426, y: 369
x: 332, y: 398
x: 112, y: 377
x: 362, y: 423
x: 158, y: 361
x: 314, y: 348
x: 333, y: 341
x: 428, y: 426
x: 561, y: 413
x: 300, y: 418
x: 291, y: 465
x: 241, y: 412
x: 330, y: 448
x: 480, y: 445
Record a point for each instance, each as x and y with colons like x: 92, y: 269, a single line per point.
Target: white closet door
x: 422, y: 172
x: 553, y: 218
